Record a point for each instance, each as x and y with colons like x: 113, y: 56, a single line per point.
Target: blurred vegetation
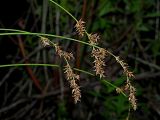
x: 129, y: 28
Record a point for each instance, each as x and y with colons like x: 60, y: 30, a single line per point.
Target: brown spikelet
x: 70, y: 75
x: 93, y: 39
x: 44, y: 41
x: 118, y: 90
x: 132, y: 91
x: 72, y: 78
x: 130, y: 74
x: 128, y: 86
x: 99, y: 63
x: 80, y: 28
x: 122, y: 63
x: 62, y: 53
x: 132, y: 97
x: 76, y: 93
x: 125, y: 67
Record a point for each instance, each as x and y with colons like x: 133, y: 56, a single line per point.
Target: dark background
x: 128, y: 28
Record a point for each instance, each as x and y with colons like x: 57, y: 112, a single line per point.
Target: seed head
x: 44, y: 41
x: 125, y: 67
x: 99, y: 63
x: 93, y: 39
x: 62, y: 53
x: 72, y: 77
x: 118, y: 90
x: 76, y: 93
x: 132, y: 97
x: 80, y: 28
x: 132, y: 91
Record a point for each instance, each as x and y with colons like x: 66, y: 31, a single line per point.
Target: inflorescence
x: 99, y: 54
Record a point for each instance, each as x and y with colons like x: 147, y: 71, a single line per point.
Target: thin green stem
x: 13, y: 30
x: 48, y: 35
x: 17, y: 65
x: 57, y: 66
x: 111, y: 54
x: 47, y: 65
x: 20, y: 32
x: 129, y: 110
x: 64, y: 10
x: 83, y: 71
x: 113, y: 86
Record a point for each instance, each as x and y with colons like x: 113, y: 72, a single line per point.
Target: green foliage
x: 106, y: 6
x: 118, y: 105
x: 62, y: 111
x: 115, y: 106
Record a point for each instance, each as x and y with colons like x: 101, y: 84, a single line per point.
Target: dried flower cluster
x: 70, y: 75
x: 99, y: 63
x: 62, y: 53
x: 132, y: 92
x: 118, y: 90
x: 93, y: 39
x: 125, y: 67
x: 72, y: 78
x: 128, y: 86
x: 80, y: 28
x: 44, y: 41
x: 99, y: 55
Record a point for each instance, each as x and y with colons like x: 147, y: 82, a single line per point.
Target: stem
x: 20, y: 32
x: 57, y: 66
x: 64, y: 10
x: 113, y: 86
x: 48, y: 35
x: 13, y: 30
x: 83, y: 71
x: 47, y: 65
x: 17, y: 65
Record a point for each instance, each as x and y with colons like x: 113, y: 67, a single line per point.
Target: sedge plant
x: 98, y: 53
